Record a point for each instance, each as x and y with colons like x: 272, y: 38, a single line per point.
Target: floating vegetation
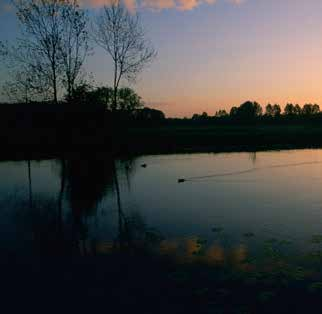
x: 201, y: 291
x: 275, y: 248
x: 316, y: 239
x: 200, y: 248
x: 315, y: 287
x: 298, y: 273
x: 217, y: 229
x: 249, y: 235
x: 316, y: 256
x: 272, y: 240
x: 285, y: 242
x: 180, y: 276
x: 266, y: 296
x: 201, y: 241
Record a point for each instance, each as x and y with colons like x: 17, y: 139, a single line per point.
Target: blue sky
x: 220, y: 53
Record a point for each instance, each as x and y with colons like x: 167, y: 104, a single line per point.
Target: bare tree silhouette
x: 53, y: 43
x: 121, y: 35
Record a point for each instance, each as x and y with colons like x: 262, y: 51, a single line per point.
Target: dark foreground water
x: 256, y: 214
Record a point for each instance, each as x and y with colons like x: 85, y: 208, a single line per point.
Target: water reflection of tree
x: 89, y: 178
x: 56, y: 228
x: 40, y: 225
x: 253, y: 157
x: 129, y: 166
x: 84, y: 182
x: 29, y: 182
x: 88, y: 181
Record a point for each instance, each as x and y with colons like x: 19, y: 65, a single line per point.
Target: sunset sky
x: 215, y: 54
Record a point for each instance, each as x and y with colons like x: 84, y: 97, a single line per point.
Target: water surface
x: 231, y: 203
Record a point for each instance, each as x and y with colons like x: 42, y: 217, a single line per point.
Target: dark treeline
x: 251, y: 112
x: 88, y: 107
x: 88, y: 121
x: 85, y: 119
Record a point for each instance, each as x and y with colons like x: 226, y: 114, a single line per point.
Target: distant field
x: 45, y: 142
x: 201, y: 138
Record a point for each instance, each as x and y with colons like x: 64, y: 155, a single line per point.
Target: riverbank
x: 222, y: 138
x: 46, y: 143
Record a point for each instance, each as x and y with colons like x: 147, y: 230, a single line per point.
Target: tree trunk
x: 69, y: 93
x: 53, y: 66
x: 115, y: 88
x: 115, y: 99
x: 55, y: 90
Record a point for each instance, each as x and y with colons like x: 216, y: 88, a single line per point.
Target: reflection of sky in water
x: 283, y: 202
x: 277, y: 202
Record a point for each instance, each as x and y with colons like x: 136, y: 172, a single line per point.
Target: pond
x: 230, y: 204
x: 186, y: 233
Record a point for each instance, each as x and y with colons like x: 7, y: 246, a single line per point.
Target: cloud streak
x: 5, y: 7
x: 181, y: 5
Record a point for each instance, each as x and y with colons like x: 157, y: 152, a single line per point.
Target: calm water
x: 230, y: 202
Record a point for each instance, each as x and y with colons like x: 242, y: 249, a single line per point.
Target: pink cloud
x: 237, y: 2
x: 130, y: 4
x: 95, y: 3
x: 182, y: 5
x: 159, y: 4
x: 5, y: 7
x: 187, y: 4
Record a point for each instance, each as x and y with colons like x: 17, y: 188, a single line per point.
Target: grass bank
x: 42, y: 142
x: 169, y: 139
